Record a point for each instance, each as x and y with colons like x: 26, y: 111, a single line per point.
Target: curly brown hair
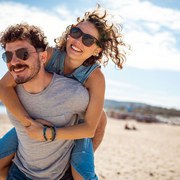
x: 110, y: 38
x: 24, y: 31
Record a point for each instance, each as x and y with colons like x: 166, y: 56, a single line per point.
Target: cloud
x: 151, y: 31
x: 53, y: 23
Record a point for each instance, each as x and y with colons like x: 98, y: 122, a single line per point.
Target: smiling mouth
x: 76, y: 49
x: 18, y: 68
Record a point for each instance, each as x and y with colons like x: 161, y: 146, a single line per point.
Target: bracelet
x: 53, y: 133
x: 44, y: 132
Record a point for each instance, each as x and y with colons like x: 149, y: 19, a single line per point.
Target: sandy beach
x: 152, y: 152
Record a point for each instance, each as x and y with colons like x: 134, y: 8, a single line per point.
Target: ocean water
x: 2, y: 110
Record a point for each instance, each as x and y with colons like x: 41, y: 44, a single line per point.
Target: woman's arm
x: 10, y: 99
x: 96, y: 87
x: 100, y: 131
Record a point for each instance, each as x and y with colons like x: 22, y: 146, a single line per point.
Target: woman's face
x: 76, y: 50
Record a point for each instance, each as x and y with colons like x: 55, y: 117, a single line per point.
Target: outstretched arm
x: 10, y: 99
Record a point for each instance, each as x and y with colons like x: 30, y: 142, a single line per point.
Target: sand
x: 152, y: 152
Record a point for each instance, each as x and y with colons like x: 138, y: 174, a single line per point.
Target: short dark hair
x: 24, y: 31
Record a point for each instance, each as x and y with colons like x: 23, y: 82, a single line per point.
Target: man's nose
x: 14, y: 59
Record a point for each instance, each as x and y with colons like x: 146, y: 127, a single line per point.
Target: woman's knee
x: 6, y: 161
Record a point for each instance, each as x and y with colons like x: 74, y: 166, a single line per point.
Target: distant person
x: 127, y: 126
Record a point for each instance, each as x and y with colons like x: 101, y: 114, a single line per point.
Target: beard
x: 34, y: 71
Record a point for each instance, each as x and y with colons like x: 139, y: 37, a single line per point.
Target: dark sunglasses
x: 87, y: 39
x: 21, y: 53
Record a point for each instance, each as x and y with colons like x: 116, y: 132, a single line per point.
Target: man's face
x: 23, y: 70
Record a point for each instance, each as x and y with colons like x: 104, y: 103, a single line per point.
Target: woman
x: 77, y: 55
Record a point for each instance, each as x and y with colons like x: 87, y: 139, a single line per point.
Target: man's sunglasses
x: 87, y: 39
x: 21, y: 53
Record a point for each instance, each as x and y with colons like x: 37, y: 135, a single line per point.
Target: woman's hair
x: 24, y: 31
x: 110, y: 38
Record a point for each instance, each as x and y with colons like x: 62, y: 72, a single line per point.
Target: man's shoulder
x: 68, y: 83
x: 69, y: 87
x: 65, y: 80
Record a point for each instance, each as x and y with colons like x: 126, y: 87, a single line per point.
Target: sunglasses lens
x: 75, y: 33
x: 7, y: 56
x: 22, y: 54
x: 88, y: 40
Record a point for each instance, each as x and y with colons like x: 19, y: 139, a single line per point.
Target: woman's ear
x: 97, y: 51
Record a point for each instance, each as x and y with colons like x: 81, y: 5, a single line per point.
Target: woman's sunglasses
x: 87, y: 39
x: 21, y: 53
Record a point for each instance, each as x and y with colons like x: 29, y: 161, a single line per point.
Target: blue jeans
x: 8, y: 143
x: 82, y: 159
x: 82, y: 156
x: 15, y: 174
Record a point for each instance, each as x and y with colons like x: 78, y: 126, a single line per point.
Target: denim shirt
x: 56, y: 64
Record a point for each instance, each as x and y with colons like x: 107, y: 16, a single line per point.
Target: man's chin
x: 19, y: 80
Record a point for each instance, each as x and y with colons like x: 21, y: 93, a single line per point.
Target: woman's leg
x: 5, y: 164
x: 8, y: 144
x: 76, y: 175
x: 82, y: 160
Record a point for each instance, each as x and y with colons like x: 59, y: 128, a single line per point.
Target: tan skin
x: 95, y: 117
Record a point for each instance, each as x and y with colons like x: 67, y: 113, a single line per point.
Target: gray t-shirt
x: 58, y: 103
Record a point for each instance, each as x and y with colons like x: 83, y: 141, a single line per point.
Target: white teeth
x: 76, y: 49
x: 19, y: 69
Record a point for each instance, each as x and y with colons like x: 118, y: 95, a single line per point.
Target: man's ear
x: 43, y: 56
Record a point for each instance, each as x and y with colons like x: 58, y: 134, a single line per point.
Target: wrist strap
x: 53, y: 133
x: 44, y: 132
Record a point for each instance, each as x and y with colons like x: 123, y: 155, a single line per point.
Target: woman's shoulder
x: 82, y: 73
x: 96, y: 78
x: 52, y: 52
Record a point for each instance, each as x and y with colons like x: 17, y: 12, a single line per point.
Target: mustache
x: 18, y: 66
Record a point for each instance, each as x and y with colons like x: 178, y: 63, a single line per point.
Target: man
x: 44, y: 96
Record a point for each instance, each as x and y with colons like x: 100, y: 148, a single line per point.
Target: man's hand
x: 35, y: 130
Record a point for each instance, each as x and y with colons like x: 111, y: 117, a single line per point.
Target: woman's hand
x: 35, y: 130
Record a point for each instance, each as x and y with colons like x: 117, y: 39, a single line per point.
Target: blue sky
x: 152, y: 71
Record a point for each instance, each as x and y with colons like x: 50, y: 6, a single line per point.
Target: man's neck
x: 39, y: 83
